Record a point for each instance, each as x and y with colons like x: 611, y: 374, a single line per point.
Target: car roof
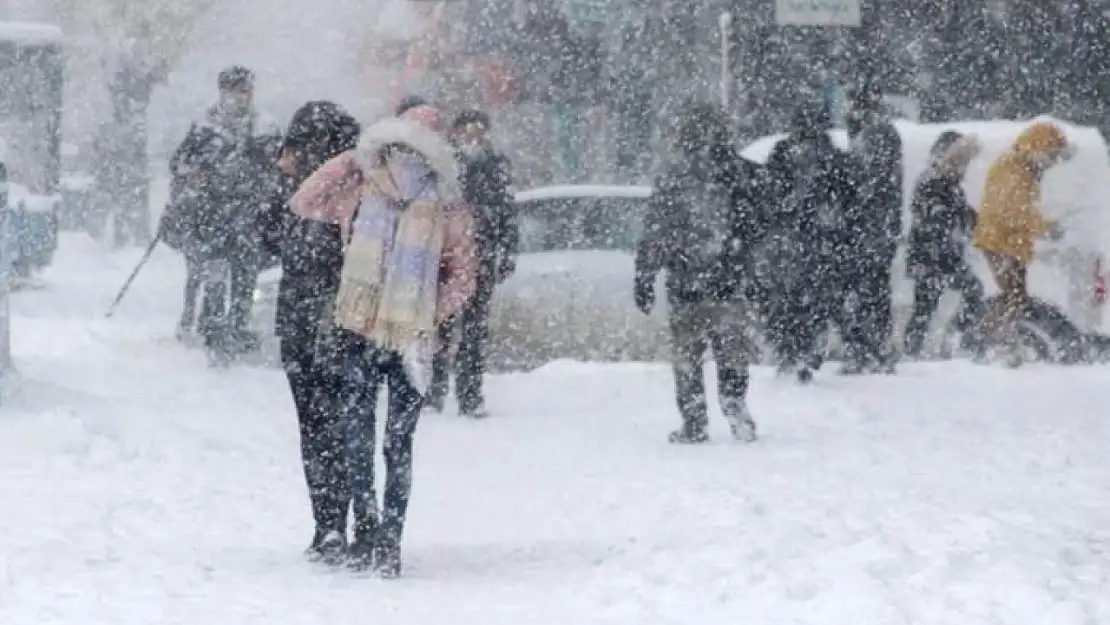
x: 583, y: 191
x: 30, y: 33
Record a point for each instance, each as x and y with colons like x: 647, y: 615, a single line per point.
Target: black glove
x: 645, y: 294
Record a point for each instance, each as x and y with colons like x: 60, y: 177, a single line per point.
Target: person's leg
x: 926, y: 296
x: 732, y: 354
x: 404, y: 413
x: 688, y: 341
x: 243, y: 281
x: 471, y: 364
x: 441, y: 368
x: 973, y: 305
x: 357, y: 401
x: 186, y: 326
x: 999, y: 324
x: 318, y: 448
x: 213, y: 316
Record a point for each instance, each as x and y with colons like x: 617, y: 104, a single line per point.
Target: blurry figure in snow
x: 942, y: 224
x: 701, y: 227
x: 408, y: 266
x: 874, y: 227
x: 311, y: 254
x: 223, y: 171
x: 485, y: 176
x: 1010, y: 220
x: 801, y: 263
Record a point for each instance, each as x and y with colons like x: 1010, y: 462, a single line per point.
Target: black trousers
x: 364, y: 368
x: 870, y: 320
x: 227, y: 288
x: 927, y: 291
x: 472, y: 324
x: 800, y: 315
x: 314, y: 381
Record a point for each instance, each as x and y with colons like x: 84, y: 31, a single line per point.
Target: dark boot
x: 328, y: 546
x: 387, y: 556
x: 689, y: 434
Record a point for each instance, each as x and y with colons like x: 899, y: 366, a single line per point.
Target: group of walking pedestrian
x: 805, y: 244
x: 393, y: 236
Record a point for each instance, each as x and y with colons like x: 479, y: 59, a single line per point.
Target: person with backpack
x: 485, y: 177
x: 311, y: 255
x: 408, y: 266
x: 225, y: 168
x: 700, y: 228
x: 801, y: 266
x: 942, y: 223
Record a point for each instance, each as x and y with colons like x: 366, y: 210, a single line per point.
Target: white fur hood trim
x: 436, y: 151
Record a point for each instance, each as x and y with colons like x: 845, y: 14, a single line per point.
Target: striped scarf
x: 390, y: 275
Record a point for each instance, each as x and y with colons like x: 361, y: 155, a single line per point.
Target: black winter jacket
x: 943, y: 220
x: 876, y: 215
x: 311, y: 252
x: 702, y: 224
x: 485, y: 178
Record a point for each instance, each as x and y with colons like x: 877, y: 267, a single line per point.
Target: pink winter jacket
x: 334, y: 191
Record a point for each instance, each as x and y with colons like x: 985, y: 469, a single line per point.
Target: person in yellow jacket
x: 1010, y: 220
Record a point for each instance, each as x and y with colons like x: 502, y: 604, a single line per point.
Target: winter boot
x: 479, y: 412
x: 689, y: 434
x: 739, y: 420
x: 805, y: 376
x: 360, y: 556
x: 328, y: 546
x: 387, y: 558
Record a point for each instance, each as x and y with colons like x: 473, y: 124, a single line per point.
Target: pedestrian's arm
x: 509, y: 230
x: 458, y: 265
x: 649, y: 254
x: 331, y: 194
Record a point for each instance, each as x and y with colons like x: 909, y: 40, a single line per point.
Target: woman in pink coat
x: 409, y: 264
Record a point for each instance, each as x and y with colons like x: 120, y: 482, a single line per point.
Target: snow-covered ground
x: 137, y: 486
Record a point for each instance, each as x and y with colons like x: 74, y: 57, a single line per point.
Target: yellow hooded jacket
x: 1010, y: 218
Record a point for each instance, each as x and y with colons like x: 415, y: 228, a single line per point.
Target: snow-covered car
x: 571, y: 296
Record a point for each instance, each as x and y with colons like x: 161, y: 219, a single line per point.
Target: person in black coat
x: 311, y: 255
x: 485, y: 176
x: 701, y: 227
x: 222, y: 171
x: 810, y: 181
x: 875, y: 225
x: 942, y: 224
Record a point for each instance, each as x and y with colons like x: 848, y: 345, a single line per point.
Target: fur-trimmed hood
x: 437, y: 153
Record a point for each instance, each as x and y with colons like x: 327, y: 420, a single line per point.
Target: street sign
x: 817, y: 12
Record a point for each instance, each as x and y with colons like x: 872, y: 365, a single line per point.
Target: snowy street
x: 139, y: 487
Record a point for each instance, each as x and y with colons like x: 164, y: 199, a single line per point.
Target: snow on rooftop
x: 30, y: 33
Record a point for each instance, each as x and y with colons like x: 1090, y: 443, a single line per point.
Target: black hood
x: 321, y: 130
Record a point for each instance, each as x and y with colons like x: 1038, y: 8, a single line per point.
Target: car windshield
x: 588, y: 223
x: 28, y: 98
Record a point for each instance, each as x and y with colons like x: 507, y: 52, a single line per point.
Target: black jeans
x: 870, y: 326
x: 470, y: 363
x: 364, y: 369
x: 315, y: 385
x: 929, y: 286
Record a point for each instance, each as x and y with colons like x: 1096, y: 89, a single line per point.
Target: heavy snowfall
x: 590, y: 311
